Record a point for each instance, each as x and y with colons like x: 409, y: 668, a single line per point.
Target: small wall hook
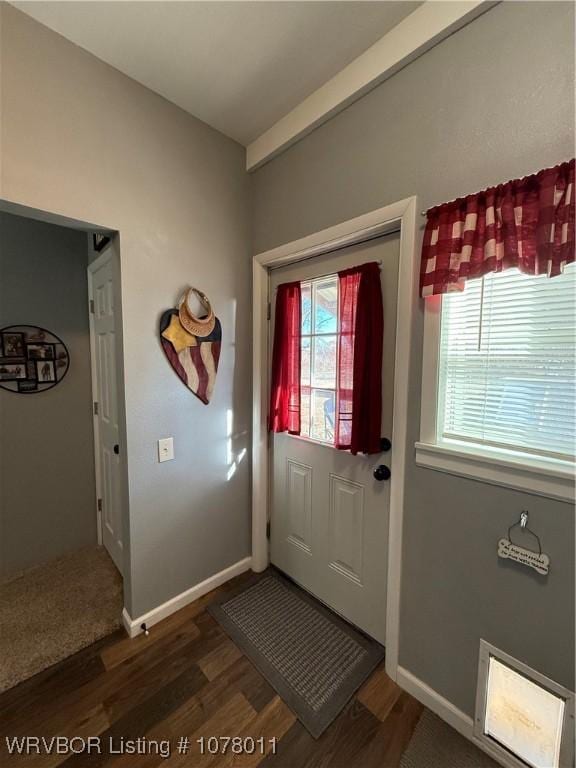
x: 524, y: 518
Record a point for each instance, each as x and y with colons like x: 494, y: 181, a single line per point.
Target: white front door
x: 329, y: 515
x: 102, y: 278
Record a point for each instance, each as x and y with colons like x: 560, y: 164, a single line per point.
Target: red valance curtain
x: 527, y: 223
x: 285, y: 386
x: 359, y: 385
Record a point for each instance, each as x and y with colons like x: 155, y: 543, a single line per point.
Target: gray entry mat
x: 310, y: 656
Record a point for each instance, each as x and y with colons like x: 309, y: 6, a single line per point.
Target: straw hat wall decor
x: 198, y: 326
x: 192, y: 344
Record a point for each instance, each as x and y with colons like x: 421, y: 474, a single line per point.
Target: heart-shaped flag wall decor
x: 192, y: 346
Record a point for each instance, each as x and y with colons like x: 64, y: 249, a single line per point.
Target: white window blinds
x: 507, y: 363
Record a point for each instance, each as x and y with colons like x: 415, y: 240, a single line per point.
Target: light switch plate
x: 166, y: 449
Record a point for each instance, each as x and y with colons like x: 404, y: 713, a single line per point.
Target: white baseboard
x: 459, y: 720
x: 134, y: 626
x: 127, y: 622
x: 431, y: 699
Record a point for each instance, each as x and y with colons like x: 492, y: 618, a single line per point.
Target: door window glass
x: 319, y: 358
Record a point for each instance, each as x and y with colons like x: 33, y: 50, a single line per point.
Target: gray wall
x: 492, y: 102
x: 82, y: 140
x: 47, y: 489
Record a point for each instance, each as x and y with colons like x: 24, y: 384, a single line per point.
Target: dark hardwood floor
x: 187, y: 679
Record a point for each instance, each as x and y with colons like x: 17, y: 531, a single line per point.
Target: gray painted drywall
x: 47, y: 487
x: 492, y: 102
x: 82, y: 140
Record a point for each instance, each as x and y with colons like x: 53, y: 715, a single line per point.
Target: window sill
x: 543, y: 477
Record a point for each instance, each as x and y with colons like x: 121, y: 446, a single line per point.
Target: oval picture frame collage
x: 32, y: 359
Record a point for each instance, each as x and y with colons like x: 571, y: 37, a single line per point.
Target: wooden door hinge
x: 95, y: 408
x: 268, y: 529
x: 99, y: 505
x: 269, y: 311
x: 91, y: 306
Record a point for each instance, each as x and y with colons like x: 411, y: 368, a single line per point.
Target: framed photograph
x: 61, y: 368
x: 27, y: 385
x: 45, y: 371
x: 12, y: 371
x: 32, y: 359
x: 36, y: 334
x: 40, y: 351
x: 13, y: 344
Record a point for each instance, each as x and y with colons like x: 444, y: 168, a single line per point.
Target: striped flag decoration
x: 195, y: 365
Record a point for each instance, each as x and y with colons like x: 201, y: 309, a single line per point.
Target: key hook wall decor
x: 32, y: 359
x: 192, y: 344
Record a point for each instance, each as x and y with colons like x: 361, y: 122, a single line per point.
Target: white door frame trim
x: 401, y: 215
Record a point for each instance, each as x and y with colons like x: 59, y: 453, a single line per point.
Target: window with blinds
x: 507, y: 364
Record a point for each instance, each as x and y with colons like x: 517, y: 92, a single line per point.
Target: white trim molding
x: 403, y: 216
x: 134, y: 626
x: 436, y: 703
x: 428, y: 25
x: 551, y: 478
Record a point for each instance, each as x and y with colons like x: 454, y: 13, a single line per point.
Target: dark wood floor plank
x: 45, y: 716
x: 92, y: 723
x: 128, y: 647
x: 229, y: 720
x: 158, y: 675
x: 57, y: 680
x: 385, y: 749
x: 164, y: 666
x: 144, y: 716
x: 379, y: 693
x: 240, y: 678
x: 254, y: 686
x: 338, y: 746
x: 271, y: 723
x: 218, y: 660
x: 188, y: 679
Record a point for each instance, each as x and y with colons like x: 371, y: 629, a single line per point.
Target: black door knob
x: 116, y: 449
x: 381, y: 472
x: 385, y: 444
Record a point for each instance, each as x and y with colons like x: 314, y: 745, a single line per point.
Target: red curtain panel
x: 359, y: 386
x: 527, y: 223
x: 284, y: 413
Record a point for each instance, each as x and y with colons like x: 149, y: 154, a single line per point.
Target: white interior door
x: 329, y: 515
x: 103, y: 274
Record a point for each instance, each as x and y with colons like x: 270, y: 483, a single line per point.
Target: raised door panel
x: 104, y: 402
x: 104, y: 298
x: 346, y: 528
x: 299, y: 505
x: 108, y: 498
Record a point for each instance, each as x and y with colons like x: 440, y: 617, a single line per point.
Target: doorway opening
x: 61, y: 577
x: 329, y: 508
x: 399, y: 216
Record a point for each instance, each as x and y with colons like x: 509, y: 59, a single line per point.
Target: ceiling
x: 238, y: 66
